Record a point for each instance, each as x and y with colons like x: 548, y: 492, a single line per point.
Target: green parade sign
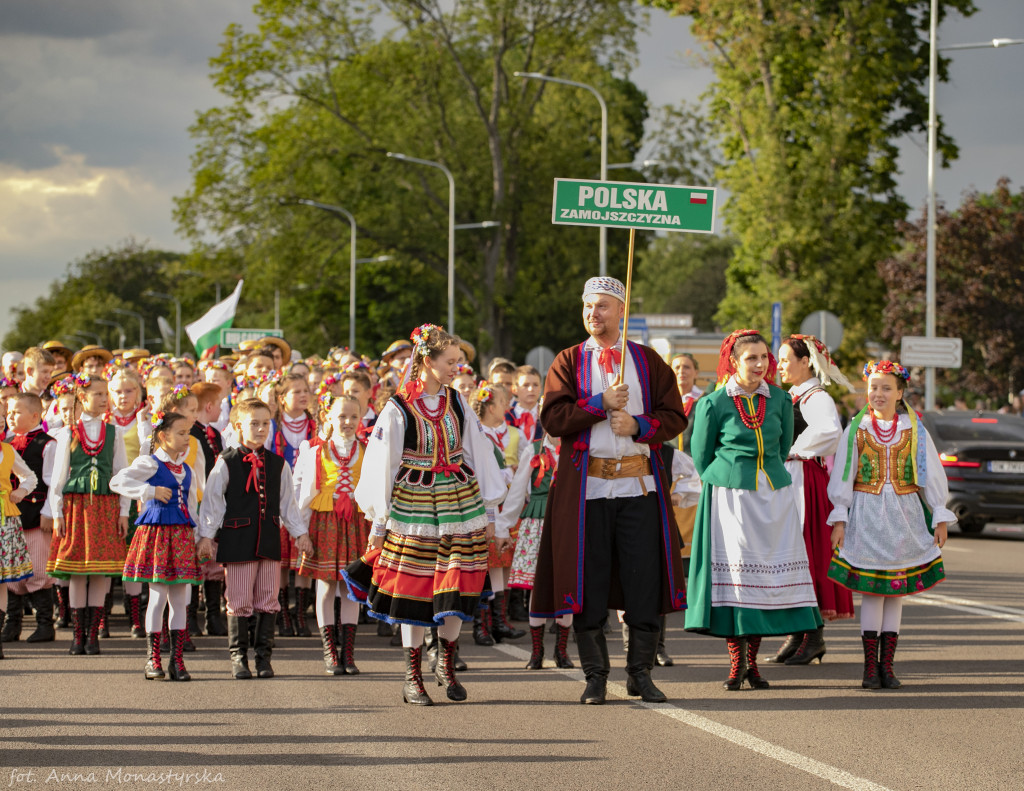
x: 624, y: 204
x: 232, y: 337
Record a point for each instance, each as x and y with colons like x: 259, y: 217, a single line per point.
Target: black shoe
x: 176, y: 667
x: 459, y: 664
x: 871, y: 678
x: 593, y: 650
x: 63, y: 608
x: 517, y: 605
x: 414, y: 692
x: 301, y: 601
x: 639, y: 661
x: 284, y: 618
x: 737, y: 663
x: 561, y: 645
x: 11, y: 632
x: 154, y: 663
x: 104, y: 618
x: 331, y: 665
x: 753, y: 675
x: 42, y: 603
x: 481, y: 632
x: 537, y: 654
x: 444, y: 671
x: 812, y: 647
x: 79, y: 625
x: 396, y: 634
x: 264, y: 647
x: 348, y: 648
x: 92, y: 641
x: 430, y: 647
x: 502, y: 629
x: 788, y: 648
x: 886, y: 653
x: 238, y: 646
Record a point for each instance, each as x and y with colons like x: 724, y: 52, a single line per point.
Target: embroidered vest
x: 32, y: 506
x: 878, y: 464
x: 432, y: 445
x: 91, y: 474
x: 333, y: 477
x: 175, y: 510
x: 252, y: 518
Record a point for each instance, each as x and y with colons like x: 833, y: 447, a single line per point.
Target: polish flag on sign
x: 698, y: 197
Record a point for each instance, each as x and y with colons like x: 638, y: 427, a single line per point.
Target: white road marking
x: 969, y: 606
x: 825, y: 771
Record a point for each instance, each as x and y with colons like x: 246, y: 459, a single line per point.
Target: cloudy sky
x: 97, y: 98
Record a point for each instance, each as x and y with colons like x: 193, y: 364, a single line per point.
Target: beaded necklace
x: 757, y: 420
x: 344, y: 460
x: 884, y: 435
x: 88, y: 446
x: 433, y: 415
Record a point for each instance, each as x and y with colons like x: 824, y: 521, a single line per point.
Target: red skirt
x: 92, y: 542
x: 834, y: 600
x: 289, y: 554
x: 164, y: 554
x: 336, y: 543
x: 503, y: 560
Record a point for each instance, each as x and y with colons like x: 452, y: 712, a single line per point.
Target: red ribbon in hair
x: 725, y: 365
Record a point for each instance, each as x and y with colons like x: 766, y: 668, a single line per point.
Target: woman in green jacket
x: 749, y: 574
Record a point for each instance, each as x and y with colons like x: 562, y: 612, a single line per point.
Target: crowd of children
x: 264, y: 489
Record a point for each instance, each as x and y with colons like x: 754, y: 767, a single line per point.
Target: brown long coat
x: 570, y: 410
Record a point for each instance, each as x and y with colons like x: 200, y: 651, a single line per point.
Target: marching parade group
x: 421, y: 494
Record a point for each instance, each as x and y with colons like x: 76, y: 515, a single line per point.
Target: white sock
x: 158, y: 597
x: 177, y: 599
x: 99, y: 587
x: 412, y: 636
x: 450, y: 629
x: 325, y: 594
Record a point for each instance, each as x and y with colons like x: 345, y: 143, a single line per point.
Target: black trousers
x: 623, y: 538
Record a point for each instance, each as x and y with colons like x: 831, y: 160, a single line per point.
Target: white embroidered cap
x: 605, y: 285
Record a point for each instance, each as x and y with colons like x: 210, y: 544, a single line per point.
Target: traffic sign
x: 626, y: 204
x: 931, y: 352
x: 540, y: 357
x: 233, y: 338
x: 825, y: 326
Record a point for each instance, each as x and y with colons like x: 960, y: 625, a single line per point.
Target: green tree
x: 979, y: 290
x: 684, y: 273
x: 314, y: 100
x: 809, y: 99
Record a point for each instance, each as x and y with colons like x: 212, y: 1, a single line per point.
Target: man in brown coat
x: 610, y: 538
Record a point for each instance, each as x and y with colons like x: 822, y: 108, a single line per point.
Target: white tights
x: 412, y: 636
x: 880, y: 613
x: 88, y: 591
x: 562, y: 620
x: 160, y: 596
x: 132, y: 588
x: 325, y: 595
x: 499, y: 579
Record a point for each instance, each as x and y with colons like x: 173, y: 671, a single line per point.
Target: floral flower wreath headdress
x: 886, y: 367
x: 157, y: 419
x: 420, y: 337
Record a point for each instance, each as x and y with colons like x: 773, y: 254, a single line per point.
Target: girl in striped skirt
x: 430, y: 484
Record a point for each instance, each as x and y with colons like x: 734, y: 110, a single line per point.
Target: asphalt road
x: 94, y: 722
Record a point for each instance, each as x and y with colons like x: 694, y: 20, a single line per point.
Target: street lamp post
x: 142, y: 324
x: 89, y: 337
x: 177, y: 316
x: 115, y: 325
x: 929, y: 281
x: 451, y: 229
x: 352, y: 262
x: 603, y: 239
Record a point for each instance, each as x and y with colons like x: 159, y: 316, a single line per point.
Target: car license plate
x: 1007, y: 466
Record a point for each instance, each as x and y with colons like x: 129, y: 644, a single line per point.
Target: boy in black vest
x: 36, y: 447
x: 248, y: 497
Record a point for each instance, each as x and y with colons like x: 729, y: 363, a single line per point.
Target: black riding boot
x: 639, y: 660
x: 238, y: 646
x: 593, y: 650
x: 264, y: 647
x: 11, y: 632
x: 42, y: 603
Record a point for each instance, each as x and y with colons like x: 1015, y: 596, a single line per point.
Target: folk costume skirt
x: 336, y: 543
x: 92, y: 542
x: 15, y: 563
x: 888, y: 547
x: 524, y: 563
x: 434, y: 559
x: 164, y: 554
x: 503, y: 560
x: 749, y: 573
x: 809, y: 477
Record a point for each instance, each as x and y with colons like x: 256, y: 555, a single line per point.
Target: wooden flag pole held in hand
x: 625, y: 318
